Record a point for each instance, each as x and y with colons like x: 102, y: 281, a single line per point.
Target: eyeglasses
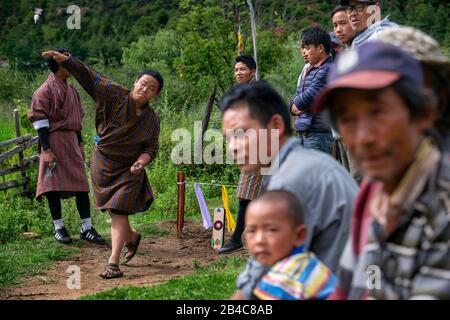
x: 357, y: 7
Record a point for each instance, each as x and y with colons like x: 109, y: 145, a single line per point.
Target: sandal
x: 132, y: 248
x: 111, y: 271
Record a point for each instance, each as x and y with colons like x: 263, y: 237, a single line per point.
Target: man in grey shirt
x: 325, y: 188
x: 365, y: 18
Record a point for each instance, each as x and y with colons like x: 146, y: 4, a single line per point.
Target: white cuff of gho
x: 41, y: 124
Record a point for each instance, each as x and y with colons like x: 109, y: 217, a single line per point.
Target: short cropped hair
x: 263, y: 102
x: 155, y: 74
x: 247, y: 60
x: 52, y: 64
x: 316, y: 36
x: 294, y: 209
x: 337, y: 9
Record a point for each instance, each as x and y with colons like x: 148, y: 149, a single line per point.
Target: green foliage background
x: 192, y: 43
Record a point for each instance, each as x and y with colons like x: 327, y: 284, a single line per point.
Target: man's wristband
x: 43, y: 138
x: 80, y: 137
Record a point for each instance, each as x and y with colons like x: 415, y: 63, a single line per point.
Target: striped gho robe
x: 251, y: 184
x: 56, y: 105
x: 124, y: 136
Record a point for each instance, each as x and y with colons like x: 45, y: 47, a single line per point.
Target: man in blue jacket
x: 313, y: 130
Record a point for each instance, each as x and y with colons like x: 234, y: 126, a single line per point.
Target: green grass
x: 18, y: 215
x: 7, y: 130
x: 20, y: 258
x: 149, y: 229
x: 24, y: 258
x: 216, y: 282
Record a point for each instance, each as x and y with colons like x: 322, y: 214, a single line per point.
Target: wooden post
x: 21, y: 157
x: 239, y: 38
x: 206, y: 117
x: 5, y: 191
x: 253, y: 25
x: 181, y: 198
x: 207, y: 114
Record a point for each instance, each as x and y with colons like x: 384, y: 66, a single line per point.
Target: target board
x: 218, y: 235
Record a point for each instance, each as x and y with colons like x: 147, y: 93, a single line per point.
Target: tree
x: 207, y: 43
x: 160, y: 49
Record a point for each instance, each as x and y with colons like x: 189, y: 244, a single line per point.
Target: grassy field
x: 20, y: 258
x: 23, y: 258
x: 215, y: 282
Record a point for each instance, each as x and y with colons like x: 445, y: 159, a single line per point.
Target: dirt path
x: 157, y: 261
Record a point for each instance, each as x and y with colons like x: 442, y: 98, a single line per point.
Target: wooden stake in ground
x: 181, y: 198
x: 218, y: 235
x: 21, y: 157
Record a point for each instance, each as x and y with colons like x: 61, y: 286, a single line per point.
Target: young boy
x: 275, y: 236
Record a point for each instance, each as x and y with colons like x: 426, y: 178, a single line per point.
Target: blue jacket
x: 306, y: 92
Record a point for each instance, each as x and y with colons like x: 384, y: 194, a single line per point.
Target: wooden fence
x: 20, y: 144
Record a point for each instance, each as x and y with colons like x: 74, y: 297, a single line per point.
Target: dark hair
x: 263, y: 102
x: 347, y: 3
x: 337, y: 9
x: 334, y: 42
x: 247, y: 60
x: 294, y: 209
x: 418, y: 100
x: 440, y: 84
x: 316, y: 36
x: 52, y: 64
x: 378, y: 3
x: 155, y: 74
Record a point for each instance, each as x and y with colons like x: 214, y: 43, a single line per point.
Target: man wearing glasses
x: 365, y: 19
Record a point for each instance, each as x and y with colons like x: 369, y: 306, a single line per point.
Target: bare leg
x: 121, y: 233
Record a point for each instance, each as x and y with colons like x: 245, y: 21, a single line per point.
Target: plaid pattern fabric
x: 58, y: 102
x: 124, y: 136
x: 352, y: 284
x: 414, y: 260
x: 250, y: 185
x: 298, y: 277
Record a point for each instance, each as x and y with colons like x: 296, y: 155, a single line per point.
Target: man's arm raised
x: 57, y: 56
x: 95, y: 84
